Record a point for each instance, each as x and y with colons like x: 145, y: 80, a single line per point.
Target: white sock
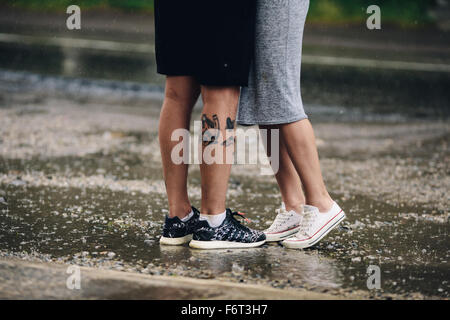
x: 214, y: 220
x: 188, y: 216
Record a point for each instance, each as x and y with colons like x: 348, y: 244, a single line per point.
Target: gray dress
x: 273, y: 92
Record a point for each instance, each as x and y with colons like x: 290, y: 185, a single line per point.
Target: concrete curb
x: 35, y: 280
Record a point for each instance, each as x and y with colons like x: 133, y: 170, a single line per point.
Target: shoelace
x: 280, y: 219
x: 307, y: 222
x: 239, y: 214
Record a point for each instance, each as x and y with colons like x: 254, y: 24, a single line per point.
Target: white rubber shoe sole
x: 295, y: 243
x: 278, y: 236
x: 223, y: 244
x: 175, y: 241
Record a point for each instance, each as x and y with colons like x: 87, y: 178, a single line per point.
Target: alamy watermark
x: 73, y: 281
x: 374, y: 277
x: 374, y: 20
x: 73, y: 22
x: 213, y: 147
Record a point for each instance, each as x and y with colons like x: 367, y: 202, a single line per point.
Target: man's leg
x: 301, y: 147
x: 218, y: 118
x: 217, y: 227
x: 181, y: 95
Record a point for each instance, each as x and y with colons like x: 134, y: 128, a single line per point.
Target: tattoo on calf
x: 211, y: 130
x: 230, y: 123
x: 230, y: 126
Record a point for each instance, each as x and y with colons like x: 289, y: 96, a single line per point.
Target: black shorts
x: 211, y: 40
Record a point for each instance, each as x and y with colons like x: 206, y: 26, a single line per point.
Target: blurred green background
x: 404, y: 13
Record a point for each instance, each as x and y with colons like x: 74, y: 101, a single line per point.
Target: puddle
x: 90, y: 226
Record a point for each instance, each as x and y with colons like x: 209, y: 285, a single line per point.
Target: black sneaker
x: 177, y: 232
x: 230, y: 234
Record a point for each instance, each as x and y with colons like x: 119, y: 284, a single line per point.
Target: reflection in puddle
x: 273, y: 262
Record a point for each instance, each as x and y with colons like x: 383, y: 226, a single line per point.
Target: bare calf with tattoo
x: 215, y: 226
x: 219, y: 104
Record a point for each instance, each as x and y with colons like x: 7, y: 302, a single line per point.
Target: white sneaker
x: 285, y: 225
x: 315, y: 225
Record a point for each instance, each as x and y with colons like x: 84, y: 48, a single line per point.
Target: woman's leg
x: 299, y: 139
x: 218, y: 117
x: 181, y: 95
x: 286, y: 176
